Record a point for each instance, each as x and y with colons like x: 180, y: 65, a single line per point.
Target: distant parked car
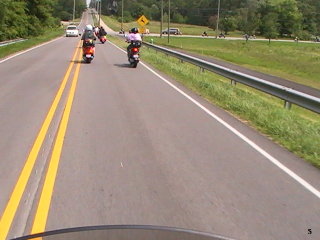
x: 175, y: 31
x: 72, y: 30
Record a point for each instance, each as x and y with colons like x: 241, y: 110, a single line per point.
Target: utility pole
x: 217, y: 27
x: 161, y: 19
x: 99, y: 13
x: 122, y: 16
x: 74, y: 10
x: 169, y: 22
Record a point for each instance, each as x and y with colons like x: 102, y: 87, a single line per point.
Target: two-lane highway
x: 126, y: 147
x: 32, y: 92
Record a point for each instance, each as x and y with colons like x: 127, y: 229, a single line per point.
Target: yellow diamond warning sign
x: 142, y: 21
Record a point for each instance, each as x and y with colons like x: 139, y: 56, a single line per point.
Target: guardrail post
x: 181, y: 61
x: 201, y: 69
x: 233, y: 82
x: 287, y: 104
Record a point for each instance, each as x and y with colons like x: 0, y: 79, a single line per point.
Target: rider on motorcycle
x: 133, y: 36
x: 96, y: 30
x: 88, y: 35
x: 102, y: 32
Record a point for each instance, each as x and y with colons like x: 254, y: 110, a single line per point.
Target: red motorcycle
x: 88, y: 51
x: 103, y: 39
x: 133, y: 54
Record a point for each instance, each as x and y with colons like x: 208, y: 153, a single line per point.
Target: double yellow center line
x: 45, y: 199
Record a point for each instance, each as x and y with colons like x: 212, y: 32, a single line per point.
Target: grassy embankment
x: 16, y: 47
x: 154, y: 26
x: 294, y: 61
x: 297, y: 130
x: 297, y: 62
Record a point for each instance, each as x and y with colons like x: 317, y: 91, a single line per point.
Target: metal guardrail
x: 287, y: 94
x: 5, y: 43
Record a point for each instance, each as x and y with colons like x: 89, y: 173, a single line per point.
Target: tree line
x: 25, y: 18
x: 270, y: 18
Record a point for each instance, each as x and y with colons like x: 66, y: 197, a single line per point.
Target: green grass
x: 296, y: 62
x: 297, y: 130
x: 289, y: 60
x: 154, y: 26
x: 16, y: 47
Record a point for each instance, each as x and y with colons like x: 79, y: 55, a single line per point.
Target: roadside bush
x: 178, y: 18
x: 34, y: 28
x: 65, y: 16
x: 126, y: 17
x: 2, y: 36
x: 304, y: 35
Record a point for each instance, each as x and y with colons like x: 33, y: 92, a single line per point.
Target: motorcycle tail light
x: 135, y: 49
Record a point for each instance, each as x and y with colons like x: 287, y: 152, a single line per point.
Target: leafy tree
x: 294, y: 16
x: 289, y: 18
x: 270, y: 26
x: 248, y: 20
x: 14, y: 20
x: 155, y: 13
x: 126, y: 17
x: 178, y: 18
x: 63, y: 6
x: 228, y: 24
x: 137, y: 10
x: 65, y: 16
x: 212, y: 22
x: 23, y: 18
x: 309, y: 16
x: 42, y: 10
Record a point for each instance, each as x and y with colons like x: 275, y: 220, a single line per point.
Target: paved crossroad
x: 135, y: 150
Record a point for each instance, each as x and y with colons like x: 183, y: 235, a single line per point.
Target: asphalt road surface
x: 125, y: 146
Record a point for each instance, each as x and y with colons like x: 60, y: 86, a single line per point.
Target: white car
x: 72, y: 30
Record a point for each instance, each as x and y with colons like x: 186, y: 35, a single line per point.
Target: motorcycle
x: 134, y: 53
x: 204, y: 34
x: 88, y: 51
x: 103, y: 39
x: 123, y: 232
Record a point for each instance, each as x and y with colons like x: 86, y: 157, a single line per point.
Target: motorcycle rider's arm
x: 83, y: 35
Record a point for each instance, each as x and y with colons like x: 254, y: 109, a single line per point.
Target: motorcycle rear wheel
x: 134, y: 64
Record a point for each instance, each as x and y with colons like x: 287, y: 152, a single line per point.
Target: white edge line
x: 29, y: 49
x: 276, y: 162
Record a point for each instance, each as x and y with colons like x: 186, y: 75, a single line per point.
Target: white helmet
x: 88, y: 27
